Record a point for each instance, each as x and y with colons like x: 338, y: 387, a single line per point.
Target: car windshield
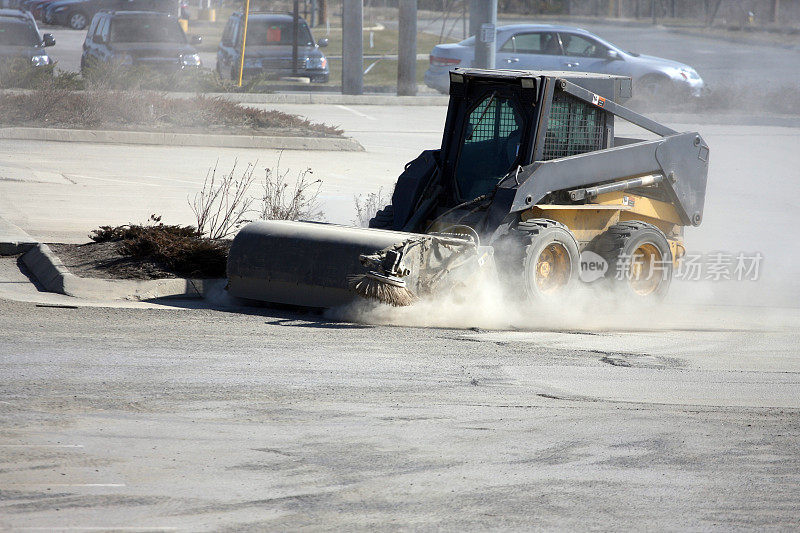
x: 264, y: 32
x: 147, y: 30
x: 15, y: 33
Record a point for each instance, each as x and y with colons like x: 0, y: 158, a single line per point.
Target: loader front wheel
x: 549, y: 257
x: 639, y: 259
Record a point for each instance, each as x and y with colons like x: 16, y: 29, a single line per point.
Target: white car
x: 552, y: 47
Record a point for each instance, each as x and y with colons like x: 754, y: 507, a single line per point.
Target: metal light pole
x: 485, y: 38
x: 295, y: 24
x: 474, y: 17
x: 407, y: 49
x: 244, y: 39
x: 352, y: 47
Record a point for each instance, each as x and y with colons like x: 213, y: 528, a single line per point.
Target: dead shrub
x: 19, y: 73
x: 222, y: 204
x: 367, y: 205
x: 59, y: 107
x: 178, y: 249
x: 282, y: 201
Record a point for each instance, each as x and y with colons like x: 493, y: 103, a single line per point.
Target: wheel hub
x: 553, y: 268
x: 646, y: 272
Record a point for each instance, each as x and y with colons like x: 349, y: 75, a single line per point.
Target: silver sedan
x: 552, y: 47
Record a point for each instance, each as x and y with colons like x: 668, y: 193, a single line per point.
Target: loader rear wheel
x: 383, y: 219
x: 546, y: 262
x: 639, y: 259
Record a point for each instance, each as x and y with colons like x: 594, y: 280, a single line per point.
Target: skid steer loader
x: 530, y: 181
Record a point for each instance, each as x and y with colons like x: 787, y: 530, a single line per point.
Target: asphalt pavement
x: 257, y: 419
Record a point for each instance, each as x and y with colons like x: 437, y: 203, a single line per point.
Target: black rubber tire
x: 620, y: 241
x: 518, y: 253
x: 78, y: 16
x: 383, y: 219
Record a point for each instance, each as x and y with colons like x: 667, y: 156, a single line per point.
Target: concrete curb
x: 182, y: 139
x: 51, y: 273
x: 13, y: 240
x: 306, y: 97
x: 325, y: 99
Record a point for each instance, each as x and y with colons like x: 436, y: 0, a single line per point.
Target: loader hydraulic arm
x: 681, y: 158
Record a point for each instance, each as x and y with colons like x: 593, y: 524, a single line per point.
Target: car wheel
x: 654, y: 88
x: 77, y: 20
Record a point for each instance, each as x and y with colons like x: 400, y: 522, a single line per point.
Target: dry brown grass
x: 149, y: 111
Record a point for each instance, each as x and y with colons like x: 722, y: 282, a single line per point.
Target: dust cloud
x: 487, y: 305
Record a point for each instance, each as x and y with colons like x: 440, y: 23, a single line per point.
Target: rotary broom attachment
x: 386, y: 289
x: 400, y: 274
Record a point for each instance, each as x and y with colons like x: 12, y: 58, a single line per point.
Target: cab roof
x: 274, y: 15
x: 517, y: 74
x: 540, y: 27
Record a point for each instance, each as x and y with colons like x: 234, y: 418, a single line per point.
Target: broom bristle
x: 373, y: 288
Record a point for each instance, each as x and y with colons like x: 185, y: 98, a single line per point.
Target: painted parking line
x: 97, y: 528
x: 41, y: 445
x: 64, y: 485
x: 357, y: 113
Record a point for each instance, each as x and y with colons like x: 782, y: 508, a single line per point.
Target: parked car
x: 551, y: 47
x: 268, y: 50
x: 143, y: 38
x: 36, y: 7
x: 19, y: 37
x: 77, y: 14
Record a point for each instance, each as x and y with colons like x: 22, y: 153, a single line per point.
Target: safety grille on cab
x: 575, y: 127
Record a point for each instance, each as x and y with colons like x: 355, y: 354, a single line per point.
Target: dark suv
x: 268, y: 50
x: 141, y: 38
x: 19, y: 37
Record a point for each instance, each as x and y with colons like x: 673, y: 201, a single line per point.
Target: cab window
x: 532, y: 43
x: 227, y: 35
x: 574, y: 127
x: 99, y: 31
x: 575, y: 45
x: 490, y: 147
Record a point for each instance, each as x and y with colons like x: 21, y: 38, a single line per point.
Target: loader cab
x: 500, y: 121
x: 488, y: 134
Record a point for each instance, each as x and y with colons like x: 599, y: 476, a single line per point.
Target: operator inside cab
x: 490, y: 147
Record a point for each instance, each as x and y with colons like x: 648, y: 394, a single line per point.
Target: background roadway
x: 721, y: 63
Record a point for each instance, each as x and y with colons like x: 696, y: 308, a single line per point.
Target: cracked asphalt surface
x: 264, y: 419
